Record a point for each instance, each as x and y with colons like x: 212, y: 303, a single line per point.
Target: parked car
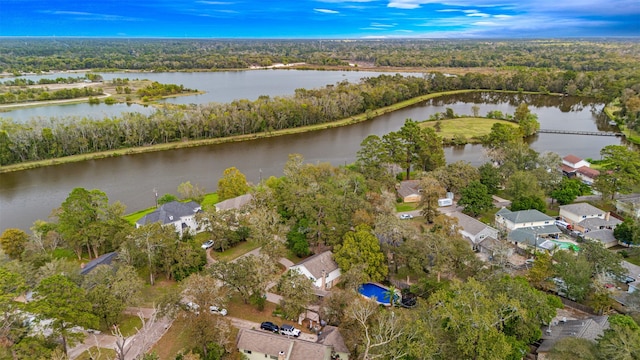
x: 269, y: 326
x: 207, y: 244
x: 289, y: 330
x: 406, y: 216
x: 191, y: 306
x: 216, y: 310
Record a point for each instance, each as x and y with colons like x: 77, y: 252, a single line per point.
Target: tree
x: 372, y: 158
x: 247, y: 275
x: 621, y: 340
x: 570, y: 348
x: 575, y: 272
x: 167, y: 198
x: 193, y: 192
x: 620, y: 171
x: 528, y: 122
x: 628, y: 232
x: 78, y: 214
x: 149, y: 239
x: 297, y: 293
x: 111, y: 291
x: 12, y: 242
x: 205, y: 290
x: 541, y: 271
x: 362, y: 247
x: 11, y: 286
x: 567, y: 191
x: 475, y: 199
x: 59, y: 299
x: 413, y: 146
x: 232, y: 184
x: 501, y: 134
x: 431, y: 192
x: 602, y: 260
x: 456, y: 176
x: 490, y: 177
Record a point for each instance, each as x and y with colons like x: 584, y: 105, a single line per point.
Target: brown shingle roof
x: 409, y: 187
x: 572, y: 159
x: 316, y: 263
x: 588, y: 172
x: 272, y: 344
x: 331, y: 336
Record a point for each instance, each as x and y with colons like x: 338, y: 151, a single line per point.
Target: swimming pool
x: 370, y: 290
x: 566, y: 245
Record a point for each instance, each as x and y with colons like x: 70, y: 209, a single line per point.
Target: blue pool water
x: 374, y: 290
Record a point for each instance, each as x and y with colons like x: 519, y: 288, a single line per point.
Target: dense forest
x: 33, y: 55
x: 54, y: 138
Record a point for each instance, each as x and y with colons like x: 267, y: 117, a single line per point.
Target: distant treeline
x: 43, y: 94
x: 52, y: 138
x: 32, y: 55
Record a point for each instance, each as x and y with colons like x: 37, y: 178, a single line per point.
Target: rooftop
x: 582, y: 209
x: 469, y: 224
x: 523, y: 216
x: 234, y: 203
x: 170, y: 212
x: 272, y: 344
x: 319, y: 262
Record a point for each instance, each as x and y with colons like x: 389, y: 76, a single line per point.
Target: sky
x: 300, y: 19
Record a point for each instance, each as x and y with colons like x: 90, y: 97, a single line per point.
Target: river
x: 29, y: 195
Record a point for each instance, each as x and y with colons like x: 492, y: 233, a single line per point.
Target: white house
x: 321, y: 269
x: 586, y: 217
x: 511, y: 220
x: 473, y: 230
x: 574, y: 162
x: 180, y: 215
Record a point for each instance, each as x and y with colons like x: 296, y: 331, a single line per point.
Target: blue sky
x: 320, y: 18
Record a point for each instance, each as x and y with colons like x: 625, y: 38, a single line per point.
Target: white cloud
x: 326, y: 11
x: 501, y: 16
x: 382, y: 25
x: 479, y: 14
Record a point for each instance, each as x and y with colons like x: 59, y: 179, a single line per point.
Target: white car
x: 207, y: 245
x: 406, y: 216
x: 216, y: 310
x: 289, y: 330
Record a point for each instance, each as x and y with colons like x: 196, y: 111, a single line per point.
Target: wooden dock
x: 579, y: 132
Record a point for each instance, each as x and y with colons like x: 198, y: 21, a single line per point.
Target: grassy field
x: 239, y: 249
x: 473, y: 129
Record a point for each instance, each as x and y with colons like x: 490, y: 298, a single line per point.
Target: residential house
x: 105, y: 259
x: 633, y: 272
x: 506, y: 219
x: 589, y: 328
x: 321, y: 269
x: 585, y: 217
x: 234, y: 203
x: 260, y: 345
x: 629, y: 205
x: 409, y: 191
x: 473, y: 230
x: 604, y: 237
x: 573, y: 166
x: 330, y: 335
x: 528, y: 228
x: 177, y: 214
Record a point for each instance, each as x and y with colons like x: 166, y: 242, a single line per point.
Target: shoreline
x: 247, y: 137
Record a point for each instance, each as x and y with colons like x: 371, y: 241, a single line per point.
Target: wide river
x: 26, y: 196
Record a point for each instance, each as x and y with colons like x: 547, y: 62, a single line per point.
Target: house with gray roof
x: 234, y: 203
x: 586, y: 217
x: 330, y: 335
x: 473, y: 230
x: 604, y: 237
x: 409, y: 191
x: 177, y: 214
x: 105, y: 259
x: 506, y: 219
x: 321, y: 269
x: 260, y: 345
x: 589, y: 328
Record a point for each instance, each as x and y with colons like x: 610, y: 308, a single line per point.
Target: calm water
x: 222, y: 87
x: 29, y: 195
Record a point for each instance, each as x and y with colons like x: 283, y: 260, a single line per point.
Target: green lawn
x: 151, y: 294
x: 236, y: 251
x: 402, y: 207
x: 469, y: 127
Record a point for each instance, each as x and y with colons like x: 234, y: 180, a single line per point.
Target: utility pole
x: 155, y: 191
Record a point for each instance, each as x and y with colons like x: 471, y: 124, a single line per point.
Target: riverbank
x: 630, y: 135
x: 195, y: 143
x: 464, y: 130
x: 187, y: 144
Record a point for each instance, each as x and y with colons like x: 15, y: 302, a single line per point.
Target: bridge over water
x: 579, y: 132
